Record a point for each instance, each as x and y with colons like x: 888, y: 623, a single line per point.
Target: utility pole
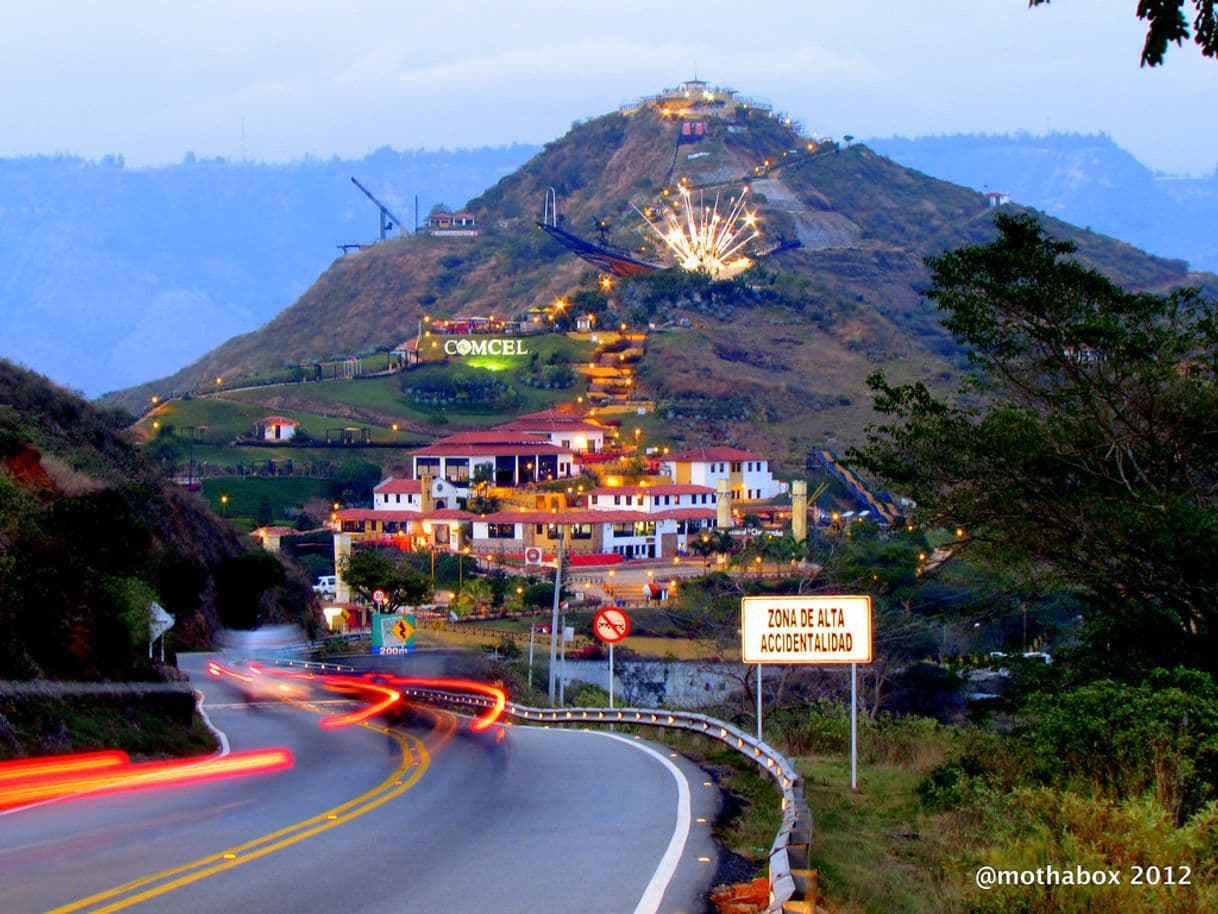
x: 554, y: 632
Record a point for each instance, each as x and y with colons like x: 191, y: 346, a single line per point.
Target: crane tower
x: 385, y: 219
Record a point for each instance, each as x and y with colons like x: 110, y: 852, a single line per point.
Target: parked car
x: 326, y: 586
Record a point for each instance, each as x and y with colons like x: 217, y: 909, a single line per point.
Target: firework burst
x: 702, y: 238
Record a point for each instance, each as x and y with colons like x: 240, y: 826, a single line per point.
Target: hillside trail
x: 815, y: 228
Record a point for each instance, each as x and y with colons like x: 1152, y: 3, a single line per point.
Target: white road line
x: 218, y: 733
x: 654, y: 894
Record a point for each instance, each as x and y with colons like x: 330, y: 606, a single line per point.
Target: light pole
x: 562, y: 543
x: 461, y: 554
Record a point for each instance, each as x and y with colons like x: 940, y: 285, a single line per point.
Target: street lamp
x: 224, y: 505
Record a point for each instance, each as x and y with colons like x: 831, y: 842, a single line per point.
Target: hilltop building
x: 695, y: 98
x: 443, y: 223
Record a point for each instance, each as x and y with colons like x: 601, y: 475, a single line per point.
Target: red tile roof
x: 492, y: 450
x: 395, y: 485
x: 491, y: 436
x: 550, y: 424
x: 711, y: 454
x: 279, y: 420
x: 373, y: 514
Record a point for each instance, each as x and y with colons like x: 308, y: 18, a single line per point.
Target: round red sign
x: 378, y: 597
x: 611, y: 625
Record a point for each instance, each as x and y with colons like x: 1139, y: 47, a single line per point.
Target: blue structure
x: 882, y: 505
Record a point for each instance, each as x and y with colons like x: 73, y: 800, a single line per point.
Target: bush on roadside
x: 1123, y: 741
x: 1047, y: 826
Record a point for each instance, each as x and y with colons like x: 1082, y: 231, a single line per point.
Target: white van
x: 326, y: 585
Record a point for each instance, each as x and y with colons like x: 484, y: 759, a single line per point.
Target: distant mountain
x: 1084, y: 179
x: 110, y: 276
x: 774, y: 360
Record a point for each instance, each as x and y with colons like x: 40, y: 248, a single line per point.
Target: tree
x: 353, y: 481
x: 368, y: 570
x: 240, y: 583
x: 1168, y: 23
x: 1082, y: 451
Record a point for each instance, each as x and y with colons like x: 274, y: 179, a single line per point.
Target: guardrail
x: 791, y: 882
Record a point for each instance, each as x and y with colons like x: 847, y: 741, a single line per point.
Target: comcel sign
x: 485, y: 347
x: 806, y: 629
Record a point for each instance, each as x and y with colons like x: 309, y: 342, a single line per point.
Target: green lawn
x: 247, y: 494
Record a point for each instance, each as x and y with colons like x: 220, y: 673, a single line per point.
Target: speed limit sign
x: 378, y: 597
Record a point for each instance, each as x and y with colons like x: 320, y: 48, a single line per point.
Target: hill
x: 775, y: 359
x: 90, y: 534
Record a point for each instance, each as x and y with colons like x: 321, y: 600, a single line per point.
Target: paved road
x: 427, y: 818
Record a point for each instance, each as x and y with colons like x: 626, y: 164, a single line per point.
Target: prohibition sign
x: 532, y: 556
x: 378, y: 597
x: 611, y: 625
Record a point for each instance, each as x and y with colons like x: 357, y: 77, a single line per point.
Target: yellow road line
x: 414, y: 755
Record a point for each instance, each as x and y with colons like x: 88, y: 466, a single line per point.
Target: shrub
x: 1046, y: 826
x: 1124, y: 740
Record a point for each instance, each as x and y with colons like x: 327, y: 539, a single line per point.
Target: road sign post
x: 833, y: 629
x: 159, y: 622
x: 611, y: 625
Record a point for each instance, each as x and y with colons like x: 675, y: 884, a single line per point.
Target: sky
x: 279, y: 80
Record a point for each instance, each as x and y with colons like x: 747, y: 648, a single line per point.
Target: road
x: 427, y: 817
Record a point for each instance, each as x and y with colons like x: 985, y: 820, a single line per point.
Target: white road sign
x: 159, y: 621
x: 806, y: 629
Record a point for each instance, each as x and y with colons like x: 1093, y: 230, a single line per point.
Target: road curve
x: 426, y: 818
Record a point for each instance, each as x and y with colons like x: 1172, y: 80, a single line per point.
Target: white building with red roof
x: 565, y: 430
x: 398, y: 494
x: 277, y: 428
x: 440, y: 527
x: 507, y: 458
x: 630, y: 534
x: 652, y: 498
x: 748, y: 475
